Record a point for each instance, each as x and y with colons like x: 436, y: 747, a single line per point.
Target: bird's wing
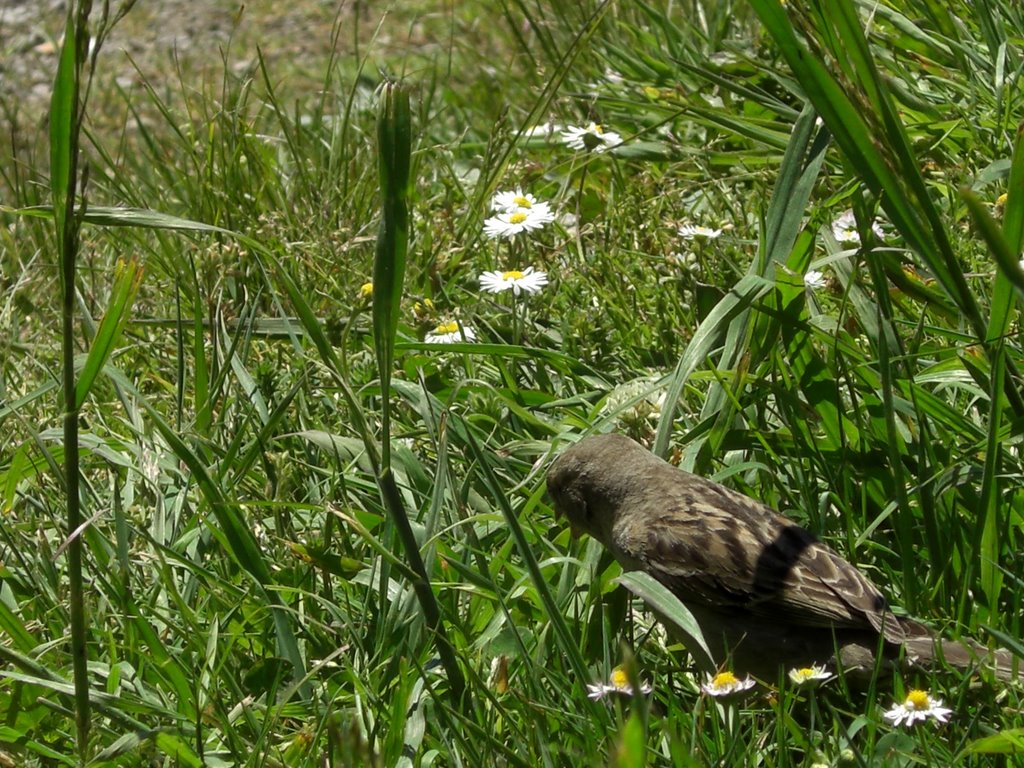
x: 733, y: 552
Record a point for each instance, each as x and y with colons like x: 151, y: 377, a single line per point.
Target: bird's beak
x: 573, y: 530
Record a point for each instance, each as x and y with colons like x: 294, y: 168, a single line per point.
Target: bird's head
x: 585, y: 482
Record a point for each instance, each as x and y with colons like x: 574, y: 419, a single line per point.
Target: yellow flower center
x: 723, y: 679
x: 512, y: 274
x: 917, y: 700
x: 517, y: 218
x: 366, y: 290
x: 451, y: 327
x: 596, y: 128
x: 619, y: 678
x: 522, y: 202
x: 806, y: 673
x: 1001, y: 200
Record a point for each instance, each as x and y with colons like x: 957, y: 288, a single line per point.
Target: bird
x: 765, y: 592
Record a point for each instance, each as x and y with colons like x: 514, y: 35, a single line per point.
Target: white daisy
x: 592, y: 137
x: 726, y: 684
x: 513, y: 201
x: 528, y: 281
x: 690, y: 232
x: 618, y: 684
x: 918, y: 706
x: 450, y: 333
x: 812, y: 674
x: 814, y: 280
x: 510, y: 223
x: 844, y: 229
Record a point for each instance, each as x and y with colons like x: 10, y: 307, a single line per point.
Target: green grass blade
x: 705, y: 341
x: 15, y: 629
x: 394, y: 147
x: 668, y: 606
x: 1008, y: 276
x: 63, y: 108
x: 798, y: 173
x: 992, y: 517
x: 1007, y: 742
x: 126, y: 285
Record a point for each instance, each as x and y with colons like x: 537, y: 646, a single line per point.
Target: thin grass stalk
x: 1004, y: 245
x: 989, y: 542
x: 394, y: 137
x: 889, y: 351
x: 66, y: 114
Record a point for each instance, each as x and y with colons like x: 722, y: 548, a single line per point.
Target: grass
x: 287, y: 562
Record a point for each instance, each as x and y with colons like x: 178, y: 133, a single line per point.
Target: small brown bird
x: 765, y: 592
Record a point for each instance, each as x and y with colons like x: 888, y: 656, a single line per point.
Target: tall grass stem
x: 65, y: 127
x: 394, y: 136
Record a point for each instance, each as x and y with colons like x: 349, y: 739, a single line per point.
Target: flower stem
x: 516, y: 325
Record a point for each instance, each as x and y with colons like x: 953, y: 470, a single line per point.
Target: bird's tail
x: 925, y: 650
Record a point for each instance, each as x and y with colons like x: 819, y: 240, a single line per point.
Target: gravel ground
x: 166, y: 37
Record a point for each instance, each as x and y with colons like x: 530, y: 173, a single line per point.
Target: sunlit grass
x: 249, y: 598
